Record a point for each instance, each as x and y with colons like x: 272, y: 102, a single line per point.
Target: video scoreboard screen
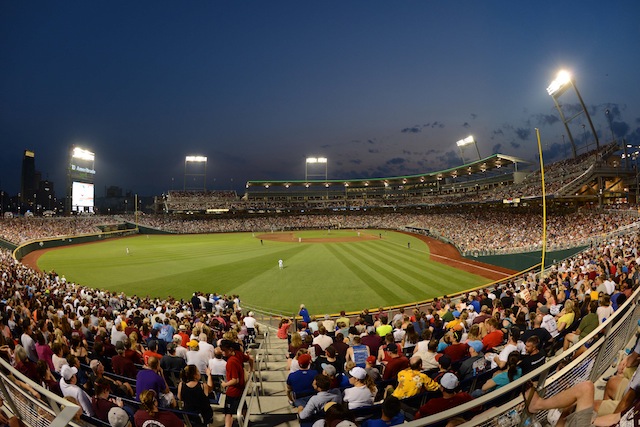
x: 82, y: 197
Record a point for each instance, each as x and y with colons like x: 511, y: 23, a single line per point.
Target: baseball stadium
x: 486, y: 277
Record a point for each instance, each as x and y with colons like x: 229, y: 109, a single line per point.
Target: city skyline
x: 380, y: 89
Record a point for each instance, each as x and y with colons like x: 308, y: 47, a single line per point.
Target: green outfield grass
x: 327, y: 277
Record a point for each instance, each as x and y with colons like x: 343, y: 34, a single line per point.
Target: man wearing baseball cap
x: 450, y: 398
x: 300, y: 383
x: 475, y: 363
x: 69, y: 387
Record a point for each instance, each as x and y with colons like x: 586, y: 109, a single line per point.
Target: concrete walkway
x: 271, y: 408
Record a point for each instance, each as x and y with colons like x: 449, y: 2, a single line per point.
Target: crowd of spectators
x: 107, y: 350
x: 453, y: 351
x: 22, y: 229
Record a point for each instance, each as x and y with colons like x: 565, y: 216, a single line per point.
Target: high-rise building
x: 28, y: 183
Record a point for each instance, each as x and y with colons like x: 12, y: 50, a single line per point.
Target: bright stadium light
x: 562, y: 82
x: 197, y: 159
x: 195, y: 168
x: 559, y: 85
x: 315, y: 162
x: 82, y: 154
x: 467, y: 141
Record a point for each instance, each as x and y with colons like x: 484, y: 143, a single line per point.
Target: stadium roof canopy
x: 485, y: 167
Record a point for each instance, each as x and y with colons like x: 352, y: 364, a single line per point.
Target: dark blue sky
x: 380, y: 88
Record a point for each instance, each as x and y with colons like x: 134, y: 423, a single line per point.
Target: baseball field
x: 327, y: 271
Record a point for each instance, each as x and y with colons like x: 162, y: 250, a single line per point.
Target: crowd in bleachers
x: 22, y: 229
x: 106, y: 351
x: 453, y: 351
x: 199, y: 200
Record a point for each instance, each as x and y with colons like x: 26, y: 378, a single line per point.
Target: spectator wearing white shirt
x: 323, y: 340
x: 548, y: 321
x: 69, y: 387
x: 217, y: 365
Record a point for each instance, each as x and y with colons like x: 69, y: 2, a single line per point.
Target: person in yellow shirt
x: 384, y: 328
x: 411, y: 381
x: 566, y: 316
x: 456, y: 323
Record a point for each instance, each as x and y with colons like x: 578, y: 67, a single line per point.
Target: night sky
x: 380, y: 88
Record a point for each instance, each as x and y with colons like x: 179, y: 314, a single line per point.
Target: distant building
x: 28, y: 179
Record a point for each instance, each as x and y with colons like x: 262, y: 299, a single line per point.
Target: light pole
x: 314, y: 161
x: 608, y: 114
x: 467, y: 141
x: 202, y: 160
x: 559, y: 86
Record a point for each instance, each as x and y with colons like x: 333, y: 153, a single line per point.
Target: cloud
x: 514, y: 144
x: 474, y: 116
x: 496, y: 148
x: 414, y: 129
x: 373, y: 151
x: 620, y: 129
x: 355, y: 161
x: 498, y: 132
x: 546, y: 119
x: 437, y: 124
x: 371, y: 141
x: 466, y: 125
x: 407, y: 152
x: 396, y: 161
x: 555, y: 151
x: 523, y: 134
x: 448, y: 160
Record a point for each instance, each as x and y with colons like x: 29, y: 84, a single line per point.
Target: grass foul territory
x: 327, y: 271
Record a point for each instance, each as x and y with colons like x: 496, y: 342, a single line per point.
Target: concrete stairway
x: 271, y: 408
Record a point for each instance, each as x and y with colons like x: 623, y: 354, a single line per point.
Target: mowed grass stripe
x: 394, y: 277
x: 368, y: 280
x: 434, y: 270
x: 412, y: 265
x: 418, y: 271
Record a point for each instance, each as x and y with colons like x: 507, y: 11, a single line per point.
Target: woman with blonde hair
x: 566, y: 316
x: 135, y: 345
x: 295, y: 345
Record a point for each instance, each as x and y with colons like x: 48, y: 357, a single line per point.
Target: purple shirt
x: 149, y: 380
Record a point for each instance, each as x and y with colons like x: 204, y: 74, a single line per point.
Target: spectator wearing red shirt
x: 450, y: 398
x: 235, y: 379
x: 457, y: 350
x: 152, y: 351
x: 395, y: 364
x: 494, y: 335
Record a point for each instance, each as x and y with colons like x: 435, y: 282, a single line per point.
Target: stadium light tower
x: 195, y: 166
x: 465, y: 142
x: 315, y: 161
x: 559, y: 86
